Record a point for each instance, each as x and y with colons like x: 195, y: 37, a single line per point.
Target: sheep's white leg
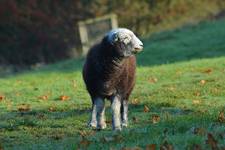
x: 100, y: 107
x: 116, y: 120
x: 98, y: 114
x: 93, y: 120
x: 124, y: 113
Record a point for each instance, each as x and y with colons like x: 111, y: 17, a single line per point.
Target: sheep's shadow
x: 30, y: 118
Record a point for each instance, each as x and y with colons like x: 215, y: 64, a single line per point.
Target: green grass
x: 180, y: 78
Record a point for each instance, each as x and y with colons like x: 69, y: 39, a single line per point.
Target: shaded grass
x: 188, y: 108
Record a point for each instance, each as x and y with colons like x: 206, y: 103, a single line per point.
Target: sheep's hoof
x: 102, y: 126
x: 92, y: 124
x: 124, y: 125
x: 117, y: 128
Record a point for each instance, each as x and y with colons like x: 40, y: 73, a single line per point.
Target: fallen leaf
x: 199, y: 131
x: 197, y: 93
x: 155, y: 119
x: 166, y: 146
x: 41, y: 116
x: 202, y: 82
x: 171, y: 88
x: 178, y: 72
x: 118, y: 138
x: 84, y: 133
x: 196, y: 102
x: 146, y: 109
x: 43, y: 97
x: 135, y: 120
x: 151, y: 147
x: 23, y: 107
x: 52, y: 109
x: 135, y: 101
x: 84, y: 142
x: 196, y: 147
x: 108, y: 121
x: 64, y: 97
x: 207, y: 71
x: 131, y: 148
x: 2, y: 97
x: 152, y: 80
x: 221, y: 117
x: 74, y: 83
x: 212, y: 142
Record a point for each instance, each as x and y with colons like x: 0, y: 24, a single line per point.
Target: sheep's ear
x: 115, y: 37
x: 127, y: 39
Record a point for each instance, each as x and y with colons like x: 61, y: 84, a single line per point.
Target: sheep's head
x: 125, y: 42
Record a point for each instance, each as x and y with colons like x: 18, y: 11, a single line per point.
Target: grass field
x: 178, y: 101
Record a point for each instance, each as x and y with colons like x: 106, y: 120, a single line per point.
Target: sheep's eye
x: 126, y: 39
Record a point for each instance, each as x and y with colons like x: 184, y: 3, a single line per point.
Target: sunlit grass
x: 187, y: 97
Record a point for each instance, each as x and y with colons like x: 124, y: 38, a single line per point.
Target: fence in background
x: 92, y: 30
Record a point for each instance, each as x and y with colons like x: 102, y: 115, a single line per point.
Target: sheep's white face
x: 125, y: 42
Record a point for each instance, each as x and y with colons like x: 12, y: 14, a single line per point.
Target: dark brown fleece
x: 106, y: 73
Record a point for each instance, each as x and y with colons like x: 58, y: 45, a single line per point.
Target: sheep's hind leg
x: 93, y: 121
x: 100, y: 105
x: 124, y: 113
x: 116, y: 120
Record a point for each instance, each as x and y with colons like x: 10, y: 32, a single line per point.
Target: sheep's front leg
x: 116, y: 105
x: 100, y: 104
x: 124, y: 113
x: 98, y: 114
x: 93, y: 120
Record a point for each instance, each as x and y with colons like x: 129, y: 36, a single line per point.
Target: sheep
x: 109, y: 73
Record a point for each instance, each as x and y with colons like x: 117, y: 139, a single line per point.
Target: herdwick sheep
x: 109, y: 73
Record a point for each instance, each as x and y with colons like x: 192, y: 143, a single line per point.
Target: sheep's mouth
x: 137, y: 49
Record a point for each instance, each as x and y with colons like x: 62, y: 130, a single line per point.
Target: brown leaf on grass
x: 196, y: 147
x: 208, y: 71
x: 84, y: 133
x: 196, y: 102
x: 202, y: 82
x: 153, y: 80
x: 199, y: 131
x: 1, y: 148
x: 43, y: 97
x: 215, y: 91
x: 131, y: 148
x: 118, y: 138
x: 64, y: 97
x: 146, y: 109
x: 171, y: 88
x: 221, y: 117
x: 108, y: 121
x: 41, y: 116
x: 115, y: 138
x: 84, y: 142
x: 134, y: 119
x: 212, y: 142
x: 135, y: 101
x: 23, y: 107
x: 151, y: 147
x: 74, y: 84
x: 2, y: 97
x: 155, y: 119
x: 52, y: 109
x: 197, y: 93
x: 166, y: 146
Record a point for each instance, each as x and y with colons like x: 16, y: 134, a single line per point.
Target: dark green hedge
x: 33, y: 31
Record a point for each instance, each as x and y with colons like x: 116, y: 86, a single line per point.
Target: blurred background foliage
x: 45, y: 31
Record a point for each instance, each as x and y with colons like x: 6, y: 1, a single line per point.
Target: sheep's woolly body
x: 109, y: 72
